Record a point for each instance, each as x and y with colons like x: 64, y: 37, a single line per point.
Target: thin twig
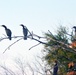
x: 2, y: 38
x: 37, y: 36
x: 34, y: 46
x: 11, y: 45
x: 41, y: 42
x: 11, y: 37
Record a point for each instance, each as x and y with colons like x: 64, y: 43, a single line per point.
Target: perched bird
x: 25, y: 31
x: 74, y: 28
x: 8, y: 32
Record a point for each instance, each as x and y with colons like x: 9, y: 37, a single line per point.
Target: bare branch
x: 11, y: 37
x: 12, y: 44
x: 40, y: 42
x: 8, y: 70
x: 34, y: 46
x: 30, y: 67
x: 37, y: 35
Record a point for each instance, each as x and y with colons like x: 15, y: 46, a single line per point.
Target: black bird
x: 25, y: 31
x: 8, y: 32
x: 74, y: 28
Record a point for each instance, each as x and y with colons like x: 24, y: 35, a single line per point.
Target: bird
x: 8, y: 32
x: 25, y: 31
x: 74, y: 28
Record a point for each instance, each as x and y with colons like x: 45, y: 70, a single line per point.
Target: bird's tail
x: 9, y: 38
x: 25, y: 37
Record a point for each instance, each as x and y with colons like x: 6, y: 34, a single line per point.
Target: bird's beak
x: 20, y: 24
x: 1, y: 25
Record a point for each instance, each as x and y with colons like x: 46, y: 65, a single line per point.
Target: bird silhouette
x: 25, y: 31
x: 74, y: 28
x: 8, y: 32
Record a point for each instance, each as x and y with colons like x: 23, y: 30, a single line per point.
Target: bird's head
x: 22, y: 25
x: 74, y: 27
x: 4, y: 26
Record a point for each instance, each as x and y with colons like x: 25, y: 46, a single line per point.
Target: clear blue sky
x: 38, y: 15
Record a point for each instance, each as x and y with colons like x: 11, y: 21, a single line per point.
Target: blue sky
x: 37, y: 13
x: 39, y: 16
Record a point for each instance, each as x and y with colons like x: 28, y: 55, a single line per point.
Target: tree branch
x: 34, y: 46
x: 11, y: 37
x: 12, y: 44
x: 40, y: 42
